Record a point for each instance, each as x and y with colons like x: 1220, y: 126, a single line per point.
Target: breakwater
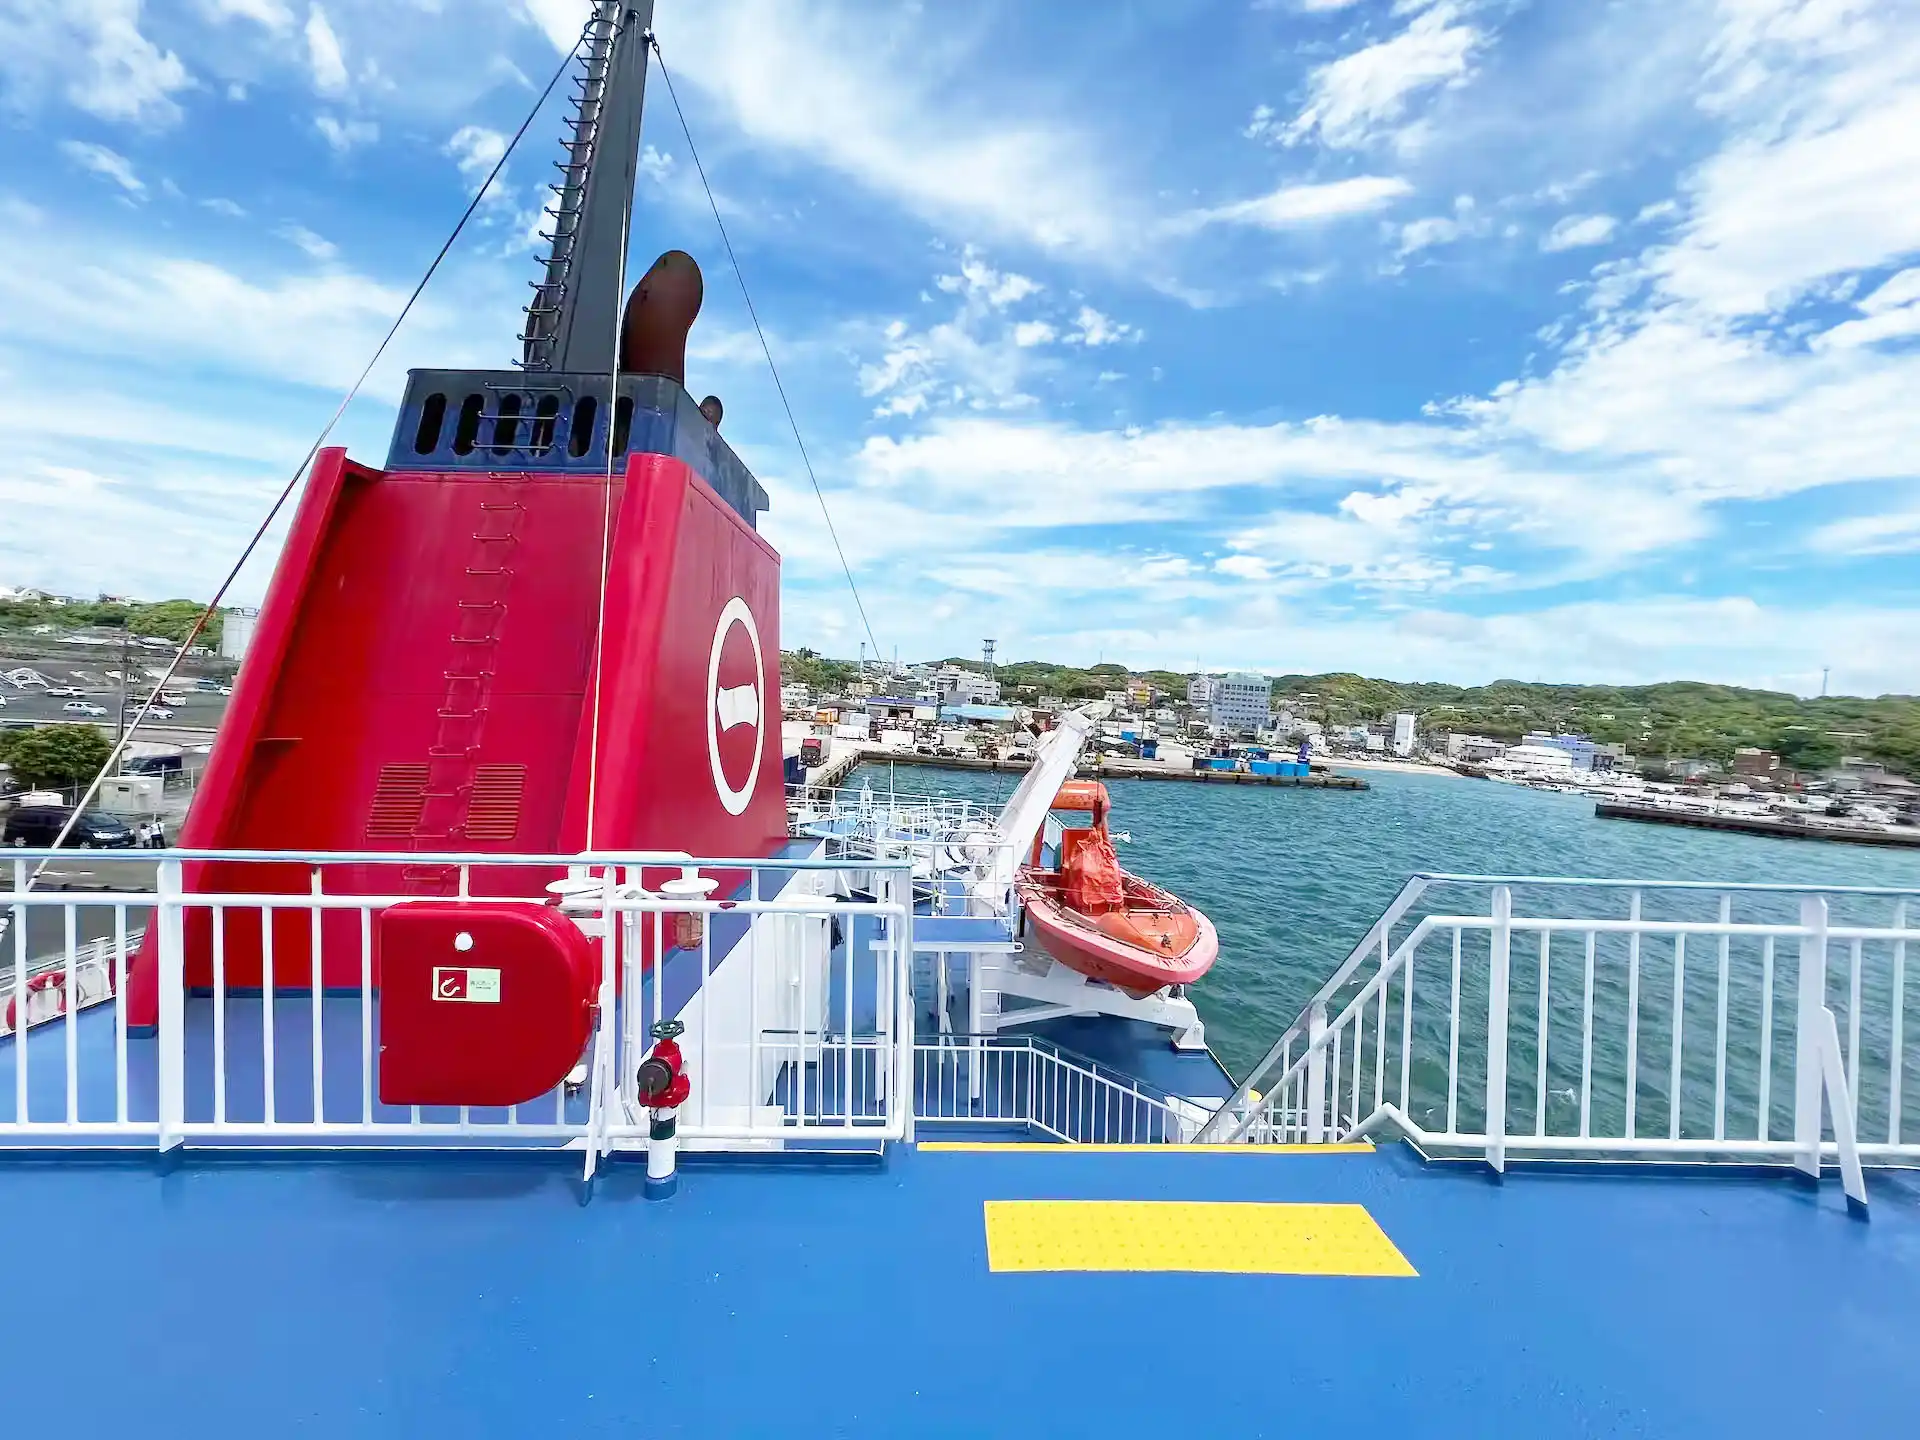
x: 1779, y: 827
x: 1120, y: 770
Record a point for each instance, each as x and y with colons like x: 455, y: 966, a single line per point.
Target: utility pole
x: 120, y: 730
x: 1825, y: 670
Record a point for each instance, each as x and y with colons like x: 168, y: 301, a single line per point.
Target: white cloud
x: 102, y: 161
x: 141, y: 305
x: 344, y: 135
x: 1090, y: 327
x: 93, y: 54
x: 656, y: 166
x: 1825, y: 183
x: 1894, y: 534
x: 315, y: 246
x: 1891, y: 312
x: 1432, y: 230
x: 980, y: 280
x: 1363, y: 97
x: 222, y: 206
x: 900, y: 111
x: 1029, y: 333
x: 1244, y: 567
x: 1575, y: 231
x: 1692, y: 366
x: 274, y: 14
x: 325, y: 58
x: 1292, y: 206
x: 475, y: 151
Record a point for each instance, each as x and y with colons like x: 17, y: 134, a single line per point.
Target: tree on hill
x: 810, y: 668
x: 57, y: 757
x: 168, y: 619
x: 1801, y: 747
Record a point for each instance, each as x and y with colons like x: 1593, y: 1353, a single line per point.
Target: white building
x: 1538, y: 758
x: 1239, y: 700
x: 1403, y: 734
x: 236, y: 632
x: 1199, y: 692
x: 1473, y: 748
x: 960, y: 686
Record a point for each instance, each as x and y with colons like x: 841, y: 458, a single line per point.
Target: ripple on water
x: 1293, y: 878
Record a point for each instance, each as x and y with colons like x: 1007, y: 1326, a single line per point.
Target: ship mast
x: 570, y: 324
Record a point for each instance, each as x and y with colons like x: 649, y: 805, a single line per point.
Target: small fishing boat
x: 1092, y: 916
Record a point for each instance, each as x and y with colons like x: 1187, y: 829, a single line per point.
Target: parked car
x: 172, y: 697
x: 65, y: 692
x: 38, y: 826
x: 154, y: 765
x: 81, y: 707
x: 160, y: 712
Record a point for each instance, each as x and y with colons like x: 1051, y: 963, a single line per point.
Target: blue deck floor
x: 472, y: 1298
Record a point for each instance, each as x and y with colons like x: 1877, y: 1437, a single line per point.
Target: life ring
x: 45, y: 980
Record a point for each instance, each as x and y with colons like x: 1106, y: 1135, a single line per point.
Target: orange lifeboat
x: 1092, y: 916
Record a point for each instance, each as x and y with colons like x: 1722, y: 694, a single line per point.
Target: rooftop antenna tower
x: 986, y: 650
x: 1825, y: 670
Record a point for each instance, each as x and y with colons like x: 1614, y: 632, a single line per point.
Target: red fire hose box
x: 480, y: 1004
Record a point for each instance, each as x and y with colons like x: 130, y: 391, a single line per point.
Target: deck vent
x: 398, y: 798
x: 493, y: 805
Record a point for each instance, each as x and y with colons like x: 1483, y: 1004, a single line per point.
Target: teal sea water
x: 1293, y: 878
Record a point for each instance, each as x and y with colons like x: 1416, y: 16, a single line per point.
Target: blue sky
x: 1436, y: 339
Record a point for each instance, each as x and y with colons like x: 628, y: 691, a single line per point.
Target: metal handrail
x: 811, y: 1024
x: 1262, y: 1074
x: 1109, y: 1105
x: 1315, y: 1079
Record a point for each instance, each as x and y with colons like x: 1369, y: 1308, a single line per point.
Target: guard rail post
x: 1807, y: 1038
x: 1316, y: 1073
x: 170, y: 918
x: 1499, y: 966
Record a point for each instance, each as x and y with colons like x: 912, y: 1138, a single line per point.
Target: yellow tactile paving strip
x: 1205, y: 1236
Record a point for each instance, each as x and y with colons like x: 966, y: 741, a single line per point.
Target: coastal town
x: 82, y: 668
x: 1251, y: 728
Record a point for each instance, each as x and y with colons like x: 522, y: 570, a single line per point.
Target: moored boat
x: 1094, y: 917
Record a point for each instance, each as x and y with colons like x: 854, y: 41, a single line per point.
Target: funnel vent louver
x: 398, y: 799
x: 493, y: 804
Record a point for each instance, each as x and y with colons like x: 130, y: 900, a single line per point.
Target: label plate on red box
x: 466, y: 982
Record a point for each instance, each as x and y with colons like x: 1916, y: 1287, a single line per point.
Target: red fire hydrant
x: 663, y: 1085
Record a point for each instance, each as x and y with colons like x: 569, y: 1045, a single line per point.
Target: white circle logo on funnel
x: 735, y: 705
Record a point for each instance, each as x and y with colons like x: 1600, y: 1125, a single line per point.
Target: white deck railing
x: 953, y: 846
x: 1597, y: 1018
x: 797, y: 1001
x: 1024, y: 1082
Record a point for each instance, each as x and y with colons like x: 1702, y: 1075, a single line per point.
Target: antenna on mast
x: 568, y: 324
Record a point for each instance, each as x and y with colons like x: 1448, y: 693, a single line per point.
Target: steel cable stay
x: 293, y: 482
x: 765, y: 349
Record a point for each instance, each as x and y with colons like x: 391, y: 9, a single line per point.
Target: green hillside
x: 1679, y: 718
